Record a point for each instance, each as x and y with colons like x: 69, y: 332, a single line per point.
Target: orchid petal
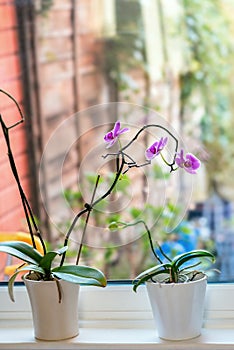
x: 162, y: 143
x: 190, y: 163
x: 112, y: 136
x: 150, y: 153
x: 116, y: 129
x: 155, y: 148
x: 111, y: 143
x: 123, y: 131
x: 180, y: 159
x: 194, y: 161
x: 108, y: 137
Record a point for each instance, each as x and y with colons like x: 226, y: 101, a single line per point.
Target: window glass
x: 75, y: 67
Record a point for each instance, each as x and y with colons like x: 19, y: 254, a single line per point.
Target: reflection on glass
x: 174, y: 59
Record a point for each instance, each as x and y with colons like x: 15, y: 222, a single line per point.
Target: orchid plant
x: 41, y: 266
x: 182, y: 268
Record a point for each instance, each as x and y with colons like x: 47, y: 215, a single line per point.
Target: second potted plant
x: 176, y: 289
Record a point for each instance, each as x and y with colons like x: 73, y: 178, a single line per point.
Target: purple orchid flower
x: 112, y: 136
x: 189, y: 162
x: 155, y: 148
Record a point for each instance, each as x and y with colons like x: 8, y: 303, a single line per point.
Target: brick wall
x: 11, y: 211
x: 69, y: 80
x: 65, y: 55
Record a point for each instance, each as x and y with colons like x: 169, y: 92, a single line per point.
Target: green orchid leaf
x: 188, y: 268
x: 150, y: 273
x: 178, y: 261
x: 48, y: 258
x: 11, y: 285
x: 138, y: 282
x: 162, y: 268
x: 11, y: 281
x: 62, y: 250
x: 21, y: 250
x: 80, y: 274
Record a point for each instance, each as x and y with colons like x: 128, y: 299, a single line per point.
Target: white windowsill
x: 117, y: 318
x: 99, y: 338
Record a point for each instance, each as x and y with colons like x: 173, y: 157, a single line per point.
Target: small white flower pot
x: 178, y: 308
x: 53, y: 320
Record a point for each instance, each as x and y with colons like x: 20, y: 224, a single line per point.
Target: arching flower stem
x: 122, y: 225
x: 133, y: 164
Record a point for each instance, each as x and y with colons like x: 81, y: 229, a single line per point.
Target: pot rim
x: 178, y: 285
x: 24, y: 278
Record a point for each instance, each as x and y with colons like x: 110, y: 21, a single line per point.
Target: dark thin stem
x: 151, y: 242
x: 160, y: 127
x: 87, y: 220
x: 17, y: 123
x: 118, y: 174
x: 59, y: 290
x: 190, y: 266
x: 82, y: 212
x: 129, y: 157
x: 149, y: 236
x: 87, y: 207
x: 27, y: 209
x: 18, y: 107
x: 133, y: 164
x: 162, y: 252
x: 151, y: 126
x: 195, y: 273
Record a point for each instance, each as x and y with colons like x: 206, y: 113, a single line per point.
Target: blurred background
x: 133, y: 60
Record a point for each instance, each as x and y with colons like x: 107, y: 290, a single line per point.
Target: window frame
x: 119, y: 303
x: 117, y: 318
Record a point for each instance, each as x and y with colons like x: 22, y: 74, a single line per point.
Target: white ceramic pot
x: 53, y: 320
x: 178, y: 308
